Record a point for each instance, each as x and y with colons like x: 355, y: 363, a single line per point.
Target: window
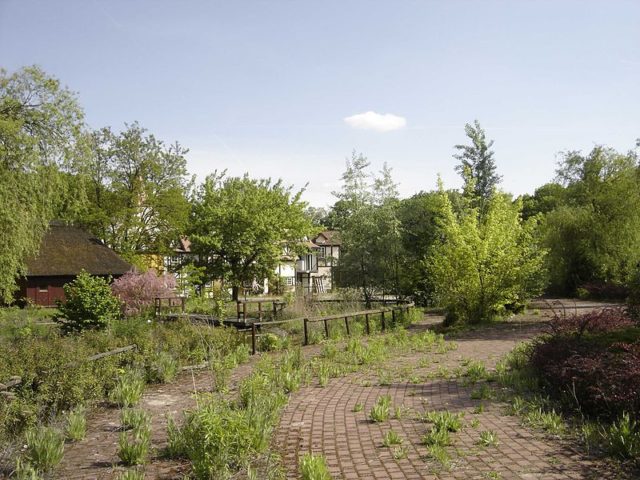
x: 290, y: 281
x: 43, y: 288
x: 322, y: 252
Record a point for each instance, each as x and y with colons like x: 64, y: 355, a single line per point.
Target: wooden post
x: 157, y: 301
x: 275, y: 309
x: 253, y: 338
x: 382, y: 320
x: 366, y: 323
x: 260, y: 311
x: 183, y: 306
x: 346, y: 324
x: 393, y: 316
x: 326, y: 329
x: 244, y: 311
x: 306, y: 331
x: 238, y: 309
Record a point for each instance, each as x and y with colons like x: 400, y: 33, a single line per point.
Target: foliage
x: 483, y: 268
x: 128, y: 389
x: 137, y: 191
x: 381, y: 410
x: 370, y: 254
x: 133, y: 445
x: 45, y: 448
x: 622, y: 437
x: 89, y: 305
x: 633, y: 301
x: 76, y: 424
x: 391, y: 438
x: 477, y: 166
x: 314, y: 467
x: 40, y: 145
x: 137, y: 291
x: 162, y: 368
x: 593, y: 236
x: 597, y: 321
x: 242, y: 225
x: 488, y: 438
x: 134, y: 419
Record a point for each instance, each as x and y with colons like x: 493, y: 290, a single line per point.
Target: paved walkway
x: 323, y: 421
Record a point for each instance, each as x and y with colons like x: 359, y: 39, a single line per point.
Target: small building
x: 315, y: 271
x: 64, y: 252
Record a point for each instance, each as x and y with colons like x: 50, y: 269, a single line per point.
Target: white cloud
x: 376, y: 121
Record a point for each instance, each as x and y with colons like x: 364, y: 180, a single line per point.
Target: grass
x: 134, y: 419
x: 439, y: 454
x: 483, y: 392
x: 76, y: 424
x: 133, y: 445
x: 437, y: 436
x: 445, y: 420
x: 358, y: 407
x: 313, y: 467
x: 131, y: 475
x: 128, y: 389
x: 391, y: 438
x: 400, y: 453
x: 488, y: 438
x: 44, y: 448
x: 381, y: 410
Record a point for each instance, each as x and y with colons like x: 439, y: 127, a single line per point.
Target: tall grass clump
x: 313, y: 467
x: 76, y: 424
x: 133, y: 445
x: 128, y: 389
x: 45, y: 448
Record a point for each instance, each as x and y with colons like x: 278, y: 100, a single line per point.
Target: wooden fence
x: 326, y: 319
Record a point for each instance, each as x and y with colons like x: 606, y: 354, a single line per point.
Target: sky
x: 288, y: 89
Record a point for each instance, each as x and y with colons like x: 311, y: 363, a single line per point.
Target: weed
x: 24, y: 471
x: 437, y: 437
x: 358, y: 407
x: 400, y: 412
x: 440, y: 455
x: 221, y: 368
x: 488, y: 438
x: 128, y: 389
x: 134, y: 445
x: 132, y: 418
x: 400, y: 452
x: 324, y: 372
x: 380, y: 411
x: 622, y: 438
x: 391, y: 438
x: 482, y: 393
x: 162, y: 369
x: 314, y: 467
x: 493, y: 475
x: 517, y: 406
x: 478, y: 409
x: 551, y: 421
x: 131, y: 475
x: 475, y: 423
x: 385, y: 379
x: 76, y: 424
x: 45, y: 448
x: 475, y: 372
x: 445, y: 420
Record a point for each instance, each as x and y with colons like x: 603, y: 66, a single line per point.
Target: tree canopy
x: 241, y: 226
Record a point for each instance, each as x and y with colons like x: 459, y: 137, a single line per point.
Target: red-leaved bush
x: 597, y: 321
x: 604, y: 381
x: 605, y: 290
x: 137, y: 291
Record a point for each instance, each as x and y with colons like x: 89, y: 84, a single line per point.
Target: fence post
x: 382, y: 320
x: 253, y: 338
x: 346, y: 324
x: 393, y: 316
x: 156, y: 302
x: 326, y: 329
x: 306, y: 331
x: 275, y: 310
x: 183, y: 306
x: 244, y: 311
x: 366, y: 322
x: 238, y: 309
x: 260, y: 311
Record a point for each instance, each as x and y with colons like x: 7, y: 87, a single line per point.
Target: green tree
x: 137, y: 190
x: 594, y: 235
x: 545, y: 199
x: 89, y: 305
x: 477, y: 166
x: 371, y: 251
x: 41, y: 146
x: 240, y: 227
x: 481, y: 268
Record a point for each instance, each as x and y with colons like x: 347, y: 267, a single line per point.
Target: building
x: 315, y: 271
x: 64, y: 252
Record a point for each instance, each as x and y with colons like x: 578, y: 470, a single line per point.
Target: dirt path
x: 322, y: 420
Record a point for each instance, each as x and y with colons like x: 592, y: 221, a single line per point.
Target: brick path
x: 322, y: 420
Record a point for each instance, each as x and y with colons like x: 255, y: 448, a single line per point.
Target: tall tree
x: 138, y: 189
x: 371, y: 251
x: 240, y: 227
x: 41, y: 128
x: 477, y: 165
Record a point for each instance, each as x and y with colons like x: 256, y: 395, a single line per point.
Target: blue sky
x: 265, y: 87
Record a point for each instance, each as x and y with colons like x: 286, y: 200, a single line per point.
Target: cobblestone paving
x: 323, y: 421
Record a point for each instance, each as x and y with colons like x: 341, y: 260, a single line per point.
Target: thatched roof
x: 67, y: 250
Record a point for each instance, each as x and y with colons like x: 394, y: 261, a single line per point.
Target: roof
x: 328, y: 237
x: 66, y: 250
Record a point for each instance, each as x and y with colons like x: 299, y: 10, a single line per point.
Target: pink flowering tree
x: 137, y: 290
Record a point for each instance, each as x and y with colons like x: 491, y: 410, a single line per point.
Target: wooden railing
x: 242, y: 306
x: 326, y: 319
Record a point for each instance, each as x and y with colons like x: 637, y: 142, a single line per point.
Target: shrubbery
x: 89, y: 305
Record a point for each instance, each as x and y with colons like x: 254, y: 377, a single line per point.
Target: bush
x: 89, y: 305
x: 597, y: 321
x: 137, y: 291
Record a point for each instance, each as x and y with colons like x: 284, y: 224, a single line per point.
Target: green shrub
x: 89, y: 304
x: 270, y: 342
x: 128, y: 389
x: 622, y: 438
x: 45, y: 448
x: 24, y: 471
x: 76, y: 424
x: 313, y: 467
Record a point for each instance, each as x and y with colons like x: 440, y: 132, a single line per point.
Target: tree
x: 483, y: 267
x: 594, y: 234
x: 137, y: 191
x: 240, y: 227
x: 477, y: 166
x: 41, y: 144
x: 138, y: 291
x: 371, y: 251
x: 545, y: 199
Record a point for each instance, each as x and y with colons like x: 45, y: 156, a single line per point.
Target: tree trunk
x: 234, y: 293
